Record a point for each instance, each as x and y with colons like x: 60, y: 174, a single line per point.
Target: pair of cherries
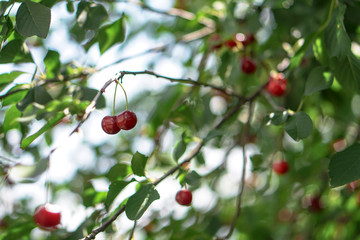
x: 124, y: 121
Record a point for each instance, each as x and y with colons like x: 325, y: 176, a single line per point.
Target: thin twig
x: 242, y: 182
x: 105, y: 224
x: 132, y: 231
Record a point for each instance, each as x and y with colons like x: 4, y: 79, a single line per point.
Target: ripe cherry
x: 126, y: 120
x: 230, y: 43
x: 281, y: 167
x: 245, y: 39
x: 277, y: 85
x: 248, y: 66
x: 109, y: 126
x: 315, y: 204
x: 184, y: 197
x: 47, y: 216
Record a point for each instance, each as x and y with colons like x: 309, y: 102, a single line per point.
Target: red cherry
x: 230, y: 43
x: 281, y: 167
x: 248, y: 66
x: 184, y: 197
x: 245, y: 39
x: 47, y: 216
x: 315, y: 204
x: 126, y: 120
x: 277, y: 85
x: 109, y: 126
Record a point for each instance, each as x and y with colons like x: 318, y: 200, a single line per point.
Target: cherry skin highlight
x: 109, y: 126
x: 277, y: 85
x: 47, y: 216
x: 184, y: 197
x: 281, y: 167
x: 126, y: 120
x: 248, y: 66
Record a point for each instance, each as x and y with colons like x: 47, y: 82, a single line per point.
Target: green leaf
x: 180, y: 148
x: 276, y: 118
x: 111, y: 34
x: 138, y: 163
x: 50, y: 124
x: 3, y: 7
x: 6, y: 28
x: 119, y: 172
x: 7, y: 78
x: 337, y: 41
x: 347, y: 71
x: 90, y: 15
x: 193, y: 179
x: 15, y: 51
x: 88, y: 94
x: 114, y: 190
x: 299, y: 126
x: 33, y: 19
x: 10, y: 120
x: 15, y: 97
x: 320, y: 52
x: 344, y: 167
x: 52, y: 63
x: 37, y: 94
x: 140, y: 201
x: 318, y: 80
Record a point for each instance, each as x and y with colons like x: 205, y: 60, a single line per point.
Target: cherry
x: 230, y: 43
x: 248, y: 66
x: 352, y: 186
x: 277, y: 85
x: 47, y: 216
x: 315, y: 204
x: 126, y: 120
x: 245, y: 39
x: 281, y: 167
x: 184, y: 197
x: 109, y: 126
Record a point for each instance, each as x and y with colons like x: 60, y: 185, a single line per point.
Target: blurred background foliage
x: 197, y: 112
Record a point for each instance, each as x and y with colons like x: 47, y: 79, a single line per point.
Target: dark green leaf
x: 10, y: 120
x: 344, y: 166
x: 180, y: 148
x: 50, y: 124
x: 114, y: 190
x: 138, y: 163
x: 7, y: 78
x: 119, y: 172
x: 15, y: 52
x: 33, y: 19
x: 336, y: 39
x: 140, y: 201
x: 193, y: 179
x: 276, y: 118
x: 299, y: 126
x: 90, y: 15
x: 111, y: 34
x: 318, y: 80
x: 347, y: 71
x: 88, y: 94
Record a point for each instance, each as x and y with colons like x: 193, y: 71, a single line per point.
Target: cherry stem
x: 48, y: 182
x: 126, y: 98
x: 113, y: 111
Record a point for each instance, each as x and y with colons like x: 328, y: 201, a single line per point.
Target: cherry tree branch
x: 190, y: 81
